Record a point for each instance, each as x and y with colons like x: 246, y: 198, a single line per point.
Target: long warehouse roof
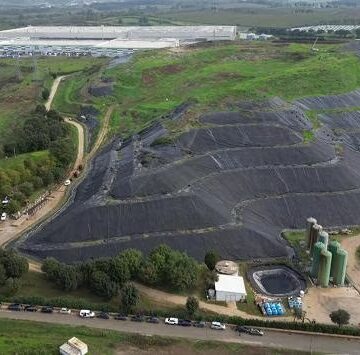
x: 121, y: 32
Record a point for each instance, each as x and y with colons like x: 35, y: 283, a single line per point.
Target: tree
x: 211, y: 258
x: 340, y: 317
x: 129, y: 297
x: 210, y: 278
x: 15, y: 265
x: 13, y: 206
x: 182, y: 271
x: 69, y: 278
x: 119, y: 270
x: 192, y: 305
x: 133, y: 258
x: 2, y: 275
x: 45, y: 93
x: 51, y: 267
x: 102, y: 285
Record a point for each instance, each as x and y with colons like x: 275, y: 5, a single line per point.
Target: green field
x: 266, y: 17
x: 215, y: 76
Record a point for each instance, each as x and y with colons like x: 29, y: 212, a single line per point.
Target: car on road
x: 217, y: 326
x: 65, y: 311
x: 86, y: 313
x: 248, y: 330
x: 185, y: 323
x: 172, y: 321
x: 199, y: 324
x: 254, y: 331
x: 3, y: 216
x: 121, y: 317
x: 30, y: 308
x: 47, y: 309
x: 15, y: 307
x: 153, y: 320
x: 137, y: 318
x: 103, y: 315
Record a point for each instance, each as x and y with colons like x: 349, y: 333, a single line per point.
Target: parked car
x: 248, y: 330
x: 3, y: 216
x: 67, y: 182
x: 172, y: 321
x: 15, y: 307
x: 103, y: 315
x: 199, y: 324
x: 30, y: 308
x: 254, y: 331
x: 120, y: 317
x: 242, y: 329
x: 154, y: 320
x: 47, y: 309
x: 217, y: 326
x: 185, y: 322
x: 65, y: 311
x: 86, y: 313
x: 137, y: 318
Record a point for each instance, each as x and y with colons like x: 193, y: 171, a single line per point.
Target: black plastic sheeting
x: 231, y: 185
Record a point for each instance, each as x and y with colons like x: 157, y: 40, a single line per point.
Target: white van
x: 85, y: 313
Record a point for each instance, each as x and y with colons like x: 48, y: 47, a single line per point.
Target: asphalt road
x: 311, y: 343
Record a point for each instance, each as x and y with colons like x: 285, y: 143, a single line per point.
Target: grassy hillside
x: 155, y: 82
x: 21, y: 85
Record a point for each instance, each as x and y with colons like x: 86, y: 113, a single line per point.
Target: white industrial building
x: 114, y: 37
x: 230, y: 288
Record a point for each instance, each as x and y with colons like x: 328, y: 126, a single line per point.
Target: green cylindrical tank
x: 310, y: 222
x: 333, y: 247
x: 324, y: 238
x: 316, y: 229
x: 340, y: 267
x: 324, y: 268
x: 318, y: 248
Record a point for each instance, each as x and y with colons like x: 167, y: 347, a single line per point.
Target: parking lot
x: 274, y: 339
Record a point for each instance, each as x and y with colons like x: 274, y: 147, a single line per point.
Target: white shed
x: 73, y: 346
x: 230, y: 288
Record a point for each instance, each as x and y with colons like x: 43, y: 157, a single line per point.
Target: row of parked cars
x: 85, y: 313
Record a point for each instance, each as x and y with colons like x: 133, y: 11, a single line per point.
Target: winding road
x: 10, y: 230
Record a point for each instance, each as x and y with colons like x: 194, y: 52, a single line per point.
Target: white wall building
x: 230, y: 288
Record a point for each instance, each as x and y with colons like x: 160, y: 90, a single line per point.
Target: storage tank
x: 324, y: 268
x: 340, y: 264
x: 318, y: 248
x: 333, y: 247
x: 324, y: 238
x: 314, y: 236
x: 310, y: 222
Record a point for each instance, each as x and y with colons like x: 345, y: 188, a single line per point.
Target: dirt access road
x: 53, y: 91
x: 272, y: 339
x: 12, y: 229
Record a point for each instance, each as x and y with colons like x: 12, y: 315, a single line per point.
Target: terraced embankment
x: 232, y: 185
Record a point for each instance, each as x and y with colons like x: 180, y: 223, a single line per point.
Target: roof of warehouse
x: 230, y: 283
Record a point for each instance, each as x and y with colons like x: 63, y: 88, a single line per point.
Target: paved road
x: 311, y: 343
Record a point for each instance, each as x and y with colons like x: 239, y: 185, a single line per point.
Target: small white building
x: 73, y: 346
x: 230, y: 288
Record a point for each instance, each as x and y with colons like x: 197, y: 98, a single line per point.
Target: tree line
x: 42, y: 131
x: 107, y: 276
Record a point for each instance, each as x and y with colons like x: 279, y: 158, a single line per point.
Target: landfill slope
x: 232, y: 184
